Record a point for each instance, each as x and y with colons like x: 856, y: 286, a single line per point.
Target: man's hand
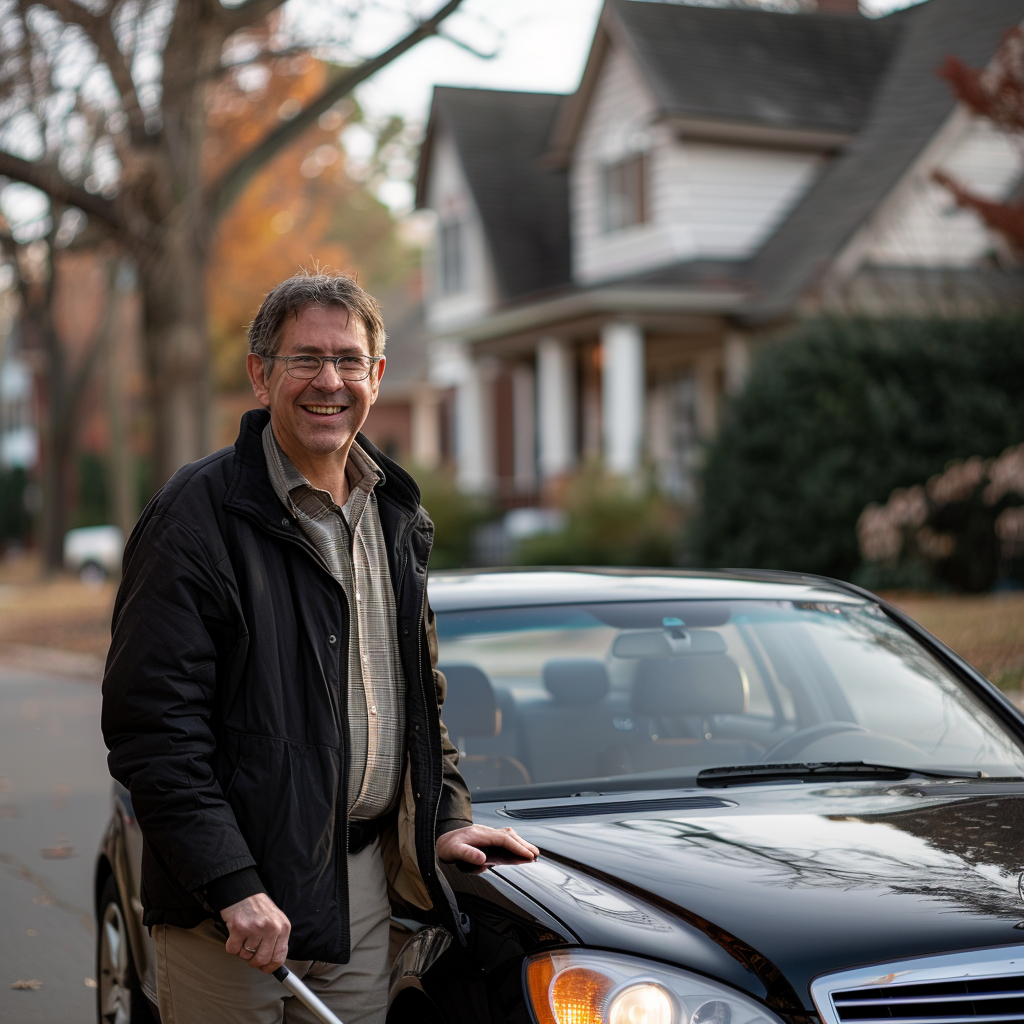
x: 467, y: 843
x: 257, y: 932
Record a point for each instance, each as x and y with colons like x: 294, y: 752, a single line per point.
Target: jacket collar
x: 251, y: 492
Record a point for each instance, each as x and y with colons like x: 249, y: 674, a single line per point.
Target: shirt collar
x: 360, y: 470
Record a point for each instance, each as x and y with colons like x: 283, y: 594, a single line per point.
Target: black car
x: 758, y: 798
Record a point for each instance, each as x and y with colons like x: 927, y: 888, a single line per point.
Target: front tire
x: 119, y: 995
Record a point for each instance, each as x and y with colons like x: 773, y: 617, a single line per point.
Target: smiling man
x: 271, y: 697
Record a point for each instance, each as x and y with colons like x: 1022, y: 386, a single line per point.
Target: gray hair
x: 291, y: 297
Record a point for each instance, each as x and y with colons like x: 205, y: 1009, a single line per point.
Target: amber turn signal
x: 574, y: 995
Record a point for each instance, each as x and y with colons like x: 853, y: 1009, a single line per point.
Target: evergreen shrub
x: 838, y: 415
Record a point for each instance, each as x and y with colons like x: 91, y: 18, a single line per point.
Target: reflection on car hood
x: 795, y: 881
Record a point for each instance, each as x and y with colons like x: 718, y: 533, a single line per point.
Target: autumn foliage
x: 996, y: 93
x: 302, y: 209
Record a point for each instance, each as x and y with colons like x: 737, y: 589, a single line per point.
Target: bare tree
x: 103, y: 108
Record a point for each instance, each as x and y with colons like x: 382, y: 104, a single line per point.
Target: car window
x: 655, y: 690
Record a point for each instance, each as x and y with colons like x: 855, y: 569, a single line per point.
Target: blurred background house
x: 605, y: 263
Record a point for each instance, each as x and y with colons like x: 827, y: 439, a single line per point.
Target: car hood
x: 791, y: 881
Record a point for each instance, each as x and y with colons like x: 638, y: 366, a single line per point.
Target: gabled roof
x: 501, y: 138
x: 719, y: 68
x: 909, y: 107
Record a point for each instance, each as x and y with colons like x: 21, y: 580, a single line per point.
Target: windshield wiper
x: 742, y: 774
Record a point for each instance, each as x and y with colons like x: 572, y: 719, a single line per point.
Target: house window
x: 450, y: 257
x: 624, y: 200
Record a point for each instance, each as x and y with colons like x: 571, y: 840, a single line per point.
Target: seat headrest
x: 695, y: 684
x: 470, y: 708
x: 576, y: 682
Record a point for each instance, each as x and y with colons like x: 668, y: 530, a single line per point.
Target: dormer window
x: 624, y: 202
x: 451, y: 277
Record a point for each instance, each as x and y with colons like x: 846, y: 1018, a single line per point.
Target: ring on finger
x: 248, y: 950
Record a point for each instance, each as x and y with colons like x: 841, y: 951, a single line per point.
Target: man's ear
x: 376, y: 379
x: 256, y: 369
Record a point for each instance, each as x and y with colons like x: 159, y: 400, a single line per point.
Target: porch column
x: 474, y: 428
x: 524, y: 428
x: 736, y: 357
x: 622, y: 396
x: 556, y: 407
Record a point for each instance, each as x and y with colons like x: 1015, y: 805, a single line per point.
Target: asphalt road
x: 54, y: 801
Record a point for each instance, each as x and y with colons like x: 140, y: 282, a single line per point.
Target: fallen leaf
x: 31, y: 931
x: 43, y: 900
x: 7, y: 811
x: 32, y: 983
x: 90, y: 982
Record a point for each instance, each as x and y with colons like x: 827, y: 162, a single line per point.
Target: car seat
x: 471, y: 712
x: 675, y: 697
x: 564, y: 731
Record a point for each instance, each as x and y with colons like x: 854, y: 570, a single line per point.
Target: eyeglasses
x: 351, y: 367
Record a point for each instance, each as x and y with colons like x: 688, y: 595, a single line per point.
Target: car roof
x: 465, y: 589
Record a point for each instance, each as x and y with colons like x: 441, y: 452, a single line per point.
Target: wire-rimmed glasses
x: 348, y: 367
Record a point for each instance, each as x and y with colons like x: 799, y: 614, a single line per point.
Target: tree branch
x: 469, y: 47
x: 224, y: 192
x: 100, y: 30
x: 47, y: 180
x: 244, y: 15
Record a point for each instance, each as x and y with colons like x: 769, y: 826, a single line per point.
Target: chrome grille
x: 953, y: 988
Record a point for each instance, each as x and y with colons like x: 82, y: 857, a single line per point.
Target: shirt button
x: 332, y: 639
x: 285, y: 522
x: 359, y: 597
x: 373, y: 709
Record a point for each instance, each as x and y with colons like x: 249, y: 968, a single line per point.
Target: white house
x: 603, y: 262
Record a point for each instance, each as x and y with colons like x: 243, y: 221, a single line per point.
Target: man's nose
x: 329, y: 376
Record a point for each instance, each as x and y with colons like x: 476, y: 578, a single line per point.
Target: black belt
x: 362, y: 833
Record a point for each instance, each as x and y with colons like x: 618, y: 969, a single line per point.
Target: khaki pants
x: 198, y: 982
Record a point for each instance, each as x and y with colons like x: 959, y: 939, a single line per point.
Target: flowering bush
x: 964, y: 528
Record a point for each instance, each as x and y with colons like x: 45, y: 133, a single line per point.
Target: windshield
x: 623, y: 695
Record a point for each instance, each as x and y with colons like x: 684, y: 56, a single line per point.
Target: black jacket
x: 224, y: 704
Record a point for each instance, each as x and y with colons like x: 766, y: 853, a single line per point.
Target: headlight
x: 589, y: 987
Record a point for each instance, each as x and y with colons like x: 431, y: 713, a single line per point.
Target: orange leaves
x: 996, y: 93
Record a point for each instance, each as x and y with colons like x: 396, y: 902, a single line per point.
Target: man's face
x: 323, y: 415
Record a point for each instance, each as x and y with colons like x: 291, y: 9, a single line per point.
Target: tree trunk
x: 120, y: 468
x: 172, y: 280
x: 55, y: 451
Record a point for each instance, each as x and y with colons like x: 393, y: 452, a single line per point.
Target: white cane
x: 301, y: 992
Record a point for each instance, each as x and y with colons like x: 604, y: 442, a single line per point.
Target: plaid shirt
x: 351, y: 545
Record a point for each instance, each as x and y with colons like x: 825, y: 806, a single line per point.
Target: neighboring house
x: 603, y: 262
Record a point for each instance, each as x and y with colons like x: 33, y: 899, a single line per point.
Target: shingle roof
x: 501, y: 138
x: 909, y: 107
x: 814, y: 71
